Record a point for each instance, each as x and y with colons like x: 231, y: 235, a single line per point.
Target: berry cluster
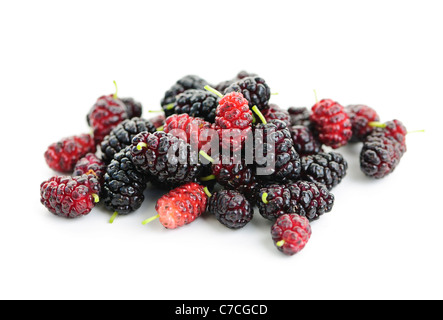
x: 219, y: 151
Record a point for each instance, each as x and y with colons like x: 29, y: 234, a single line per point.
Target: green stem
x: 264, y: 197
x: 259, y: 114
x: 116, y: 91
x: 169, y: 106
x: 150, y: 219
x: 154, y: 111
x: 205, y: 189
x: 206, y: 156
x: 207, y: 178
x: 415, y: 131
x: 253, y: 119
x: 274, y: 93
x: 141, y: 145
x: 377, y: 124
x: 280, y: 243
x: 96, y: 197
x: 211, y: 89
x: 113, y: 217
x: 161, y: 128
x: 315, y: 95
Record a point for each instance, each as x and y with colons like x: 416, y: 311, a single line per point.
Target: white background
x: 383, y: 239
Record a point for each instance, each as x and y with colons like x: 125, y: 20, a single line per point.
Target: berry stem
x: 253, y: 119
x: 116, y: 91
x: 315, y: 95
x: 169, y: 106
x: 264, y: 197
x: 206, y: 156
x: 96, y: 197
x: 205, y: 189
x: 211, y: 89
x: 150, y: 219
x: 280, y: 243
x: 208, y: 178
x: 415, y: 131
x: 113, y: 217
x: 274, y: 93
x: 161, y: 128
x: 259, y: 114
x: 141, y: 145
x: 154, y: 111
x: 377, y: 124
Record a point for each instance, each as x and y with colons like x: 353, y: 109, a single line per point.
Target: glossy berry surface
x: 280, y: 161
x: 123, y: 184
x: 308, y: 199
x: 299, y: 116
x: 253, y: 89
x: 90, y: 163
x: 181, y: 205
x: 291, y: 233
x: 197, y: 103
x: 165, y: 158
x: 190, y: 126
x: 134, y: 108
x: 304, y: 141
x: 273, y: 112
x: 105, y: 115
x: 381, y: 153
x: 325, y: 168
x: 70, y: 197
x: 221, y: 87
x: 332, y: 123
x: 233, y: 113
x: 230, y: 208
x: 183, y: 84
x: 121, y: 136
x: 64, y: 154
x: 233, y: 173
x: 360, y: 116
x: 394, y: 129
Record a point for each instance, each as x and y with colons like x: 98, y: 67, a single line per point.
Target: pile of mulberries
x: 219, y: 151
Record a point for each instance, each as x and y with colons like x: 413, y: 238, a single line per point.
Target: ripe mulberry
x: 280, y: 162
x: 197, y: 103
x: 221, y: 87
x: 124, y: 184
x: 230, y: 208
x: 235, y: 174
x: 304, y: 141
x: 325, y: 168
x: 332, y: 123
x: 254, y: 89
x: 90, y: 163
x: 361, y: 116
x: 183, y: 84
x: 105, y: 115
x: 121, y: 136
x: 299, y: 116
x: 290, y: 233
x: 70, y: 197
x: 134, y: 108
x: 64, y: 154
x: 165, y: 158
x: 308, y: 199
x: 273, y: 112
